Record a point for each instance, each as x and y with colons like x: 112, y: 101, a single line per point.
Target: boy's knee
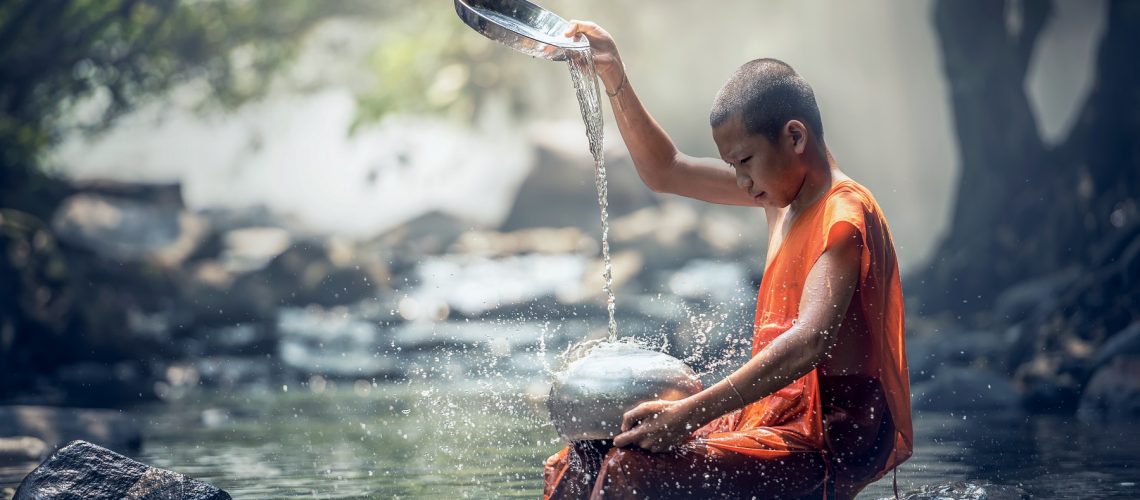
x: 615, y: 460
x: 626, y: 460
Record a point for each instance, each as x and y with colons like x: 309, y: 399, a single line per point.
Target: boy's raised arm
x: 661, y: 166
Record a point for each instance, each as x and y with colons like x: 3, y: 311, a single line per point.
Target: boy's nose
x: 744, y: 182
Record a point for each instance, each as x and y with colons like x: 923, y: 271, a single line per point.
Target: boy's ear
x: 796, y: 133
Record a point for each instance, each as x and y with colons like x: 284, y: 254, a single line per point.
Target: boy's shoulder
x: 846, y: 196
x: 849, y: 195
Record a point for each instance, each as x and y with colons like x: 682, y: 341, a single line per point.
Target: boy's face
x: 771, y: 173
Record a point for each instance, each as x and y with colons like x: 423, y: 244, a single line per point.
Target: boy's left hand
x: 656, y: 426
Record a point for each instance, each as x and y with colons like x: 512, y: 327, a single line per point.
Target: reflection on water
x: 1048, y: 456
x: 476, y: 439
x: 411, y: 440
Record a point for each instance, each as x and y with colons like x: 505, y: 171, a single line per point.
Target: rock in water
x: 127, y: 230
x: 83, y: 470
x: 20, y: 449
x: 1113, y: 393
x: 1124, y: 343
x: 965, y: 390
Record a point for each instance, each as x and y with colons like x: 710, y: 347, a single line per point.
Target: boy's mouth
x: 757, y: 196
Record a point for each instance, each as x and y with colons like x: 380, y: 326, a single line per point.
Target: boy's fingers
x: 624, y: 439
x: 584, y: 27
x: 649, y: 444
x: 632, y: 417
x: 627, y: 422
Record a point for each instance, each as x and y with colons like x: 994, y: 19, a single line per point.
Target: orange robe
x: 818, y: 436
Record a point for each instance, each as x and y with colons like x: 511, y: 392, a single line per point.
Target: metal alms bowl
x: 590, y: 396
x: 521, y: 25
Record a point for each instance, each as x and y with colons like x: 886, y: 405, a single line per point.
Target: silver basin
x: 590, y: 396
x: 521, y: 25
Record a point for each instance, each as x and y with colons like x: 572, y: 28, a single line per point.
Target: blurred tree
x: 1026, y: 209
x: 68, y: 64
x: 79, y: 65
x: 429, y: 62
x: 1055, y: 225
x: 56, y: 55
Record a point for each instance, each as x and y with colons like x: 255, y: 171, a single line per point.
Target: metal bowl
x: 590, y: 396
x: 521, y: 25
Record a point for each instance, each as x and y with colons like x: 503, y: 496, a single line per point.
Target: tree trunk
x: 1024, y: 209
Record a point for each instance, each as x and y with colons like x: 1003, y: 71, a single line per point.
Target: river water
x: 473, y: 440
x: 488, y: 438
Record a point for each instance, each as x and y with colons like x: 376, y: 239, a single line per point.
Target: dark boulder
x: 306, y: 274
x: 82, y: 470
x: 163, y: 194
x: 36, y: 299
x: 1056, y: 395
x: 931, y: 352
x: 252, y: 248
x: 20, y: 449
x: 560, y: 191
x: 1124, y: 343
x: 1034, y: 297
x: 125, y: 230
x: 667, y: 235
x: 429, y: 234
x: 210, y: 298
x: 105, y: 385
x: 61, y: 304
x: 965, y: 390
x: 1114, y: 392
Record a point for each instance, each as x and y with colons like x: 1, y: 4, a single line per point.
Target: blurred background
x: 335, y: 249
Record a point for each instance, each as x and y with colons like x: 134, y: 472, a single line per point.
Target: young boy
x: 823, y: 407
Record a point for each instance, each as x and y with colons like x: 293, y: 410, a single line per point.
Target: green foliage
x: 81, y: 64
x: 55, y: 54
x: 429, y: 62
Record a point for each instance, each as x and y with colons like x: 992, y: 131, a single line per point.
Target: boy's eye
x: 742, y: 162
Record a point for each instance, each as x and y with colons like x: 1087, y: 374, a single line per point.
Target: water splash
x: 579, y: 350
x: 585, y: 80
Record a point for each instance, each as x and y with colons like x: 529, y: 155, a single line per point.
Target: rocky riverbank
x: 124, y: 295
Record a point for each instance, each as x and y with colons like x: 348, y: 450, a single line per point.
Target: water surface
x: 478, y: 440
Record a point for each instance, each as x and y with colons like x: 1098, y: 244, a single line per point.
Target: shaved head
x: 767, y: 93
